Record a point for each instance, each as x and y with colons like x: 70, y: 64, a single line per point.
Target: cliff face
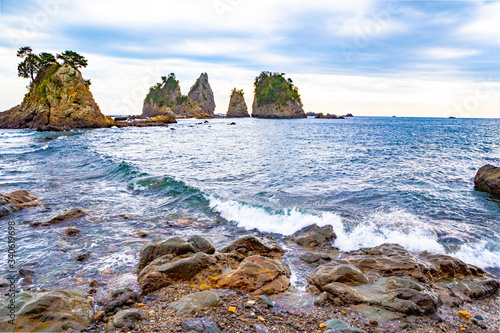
x: 59, y: 99
x: 237, y: 105
x: 166, y: 97
x: 275, y: 97
x: 201, y: 93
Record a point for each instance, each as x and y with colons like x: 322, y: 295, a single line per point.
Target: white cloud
x: 485, y: 26
x: 442, y: 53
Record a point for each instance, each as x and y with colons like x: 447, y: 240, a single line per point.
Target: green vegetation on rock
x: 274, y: 88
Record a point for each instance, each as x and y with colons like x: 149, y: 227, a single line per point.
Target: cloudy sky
x: 371, y: 58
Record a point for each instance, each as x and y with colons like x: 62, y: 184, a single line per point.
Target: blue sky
x: 407, y: 58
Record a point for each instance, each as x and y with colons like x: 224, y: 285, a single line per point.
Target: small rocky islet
x: 192, y: 285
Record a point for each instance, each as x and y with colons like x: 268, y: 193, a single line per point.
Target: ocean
x: 375, y: 180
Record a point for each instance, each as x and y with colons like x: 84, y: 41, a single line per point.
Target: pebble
x: 479, y: 317
x: 232, y: 309
x: 373, y: 322
x: 464, y: 314
x: 99, y: 315
x: 140, y: 304
x: 93, y: 283
x: 437, y: 318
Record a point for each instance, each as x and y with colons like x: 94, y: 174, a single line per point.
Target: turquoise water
x: 376, y: 180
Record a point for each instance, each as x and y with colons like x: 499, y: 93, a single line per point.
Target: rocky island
x: 276, y: 97
x: 58, y: 99
x: 237, y: 105
x: 166, y: 97
x: 202, y: 93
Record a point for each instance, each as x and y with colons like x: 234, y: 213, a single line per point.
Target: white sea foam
x: 395, y: 226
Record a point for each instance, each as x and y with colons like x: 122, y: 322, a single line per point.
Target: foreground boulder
x: 202, y: 94
x: 249, y: 263
x: 237, y: 105
x: 49, y: 311
x: 276, y: 97
x: 390, y: 277
x: 195, y: 302
x: 488, y: 179
x: 15, y: 201
x: 59, y: 99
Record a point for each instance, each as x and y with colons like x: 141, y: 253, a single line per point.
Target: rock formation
x: 15, y: 201
x: 201, y: 93
x: 165, y: 99
x: 237, y: 105
x: 59, y: 99
x: 276, y: 97
x: 488, y: 179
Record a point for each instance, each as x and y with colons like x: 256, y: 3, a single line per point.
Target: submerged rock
x: 488, y: 179
x: 275, y: 97
x: 49, y: 311
x: 59, y: 99
x: 15, y: 201
x: 201, y: 93
x: 73, y: 213
x: 237, y: 105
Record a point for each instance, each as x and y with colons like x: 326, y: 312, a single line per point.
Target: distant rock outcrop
x: 201, y: 93
x: 237, y: 105
x: 59, y: 99
x: 488, y: 179
x: 166, y: 97
x: 276, y: 97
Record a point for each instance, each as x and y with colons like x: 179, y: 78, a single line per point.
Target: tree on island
x: 73, y: 59
x: 29, y: 67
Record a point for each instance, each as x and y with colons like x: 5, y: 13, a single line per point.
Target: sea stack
x: 165, y: 98
x: 59, y: 99
x: 237, y: 105
x: 202, y: 93
x: 276, y: 97
x: 488, y: 179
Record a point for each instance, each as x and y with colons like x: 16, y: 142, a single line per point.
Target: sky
x: 366, y: 57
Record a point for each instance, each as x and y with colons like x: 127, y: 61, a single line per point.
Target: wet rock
x: 141, y: 234
x: 259, y: 275
x: 120, y: 301
x: 333, y: 272
x: 251, y: 245
x: 201, y: 244
x: 313, y: 236
x: 445, y: 267
x: 399, y: 283
x: 55, y: 311
x: 155, y: 249
x: 340, y: 326
x: 410, y: 301
x: 26, y: 272
x: 15, y: 201
x: 200, y: 325
x: 123, y: 318
x: 4, y: 283
x: 71, y: 214
x: 82, y: 256
x: 266, y: 301
x: 71, y: 231
x: 27, y: 281
x: 321, y: 299
x: 117, y: 292
x: 483, y: 287
x: 315, y: 258
x: 488, y: 179
x: 195, y: 302
x: 344, y: 293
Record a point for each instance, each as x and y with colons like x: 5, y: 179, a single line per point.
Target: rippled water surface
x: 376, y: 180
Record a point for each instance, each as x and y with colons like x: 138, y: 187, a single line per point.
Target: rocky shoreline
x: 192, y: 285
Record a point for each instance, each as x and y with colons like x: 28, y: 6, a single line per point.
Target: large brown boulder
x: 251, y: 245
x: 488, y: 179
x: 59, y: 99
x: 334, y: 272
x: 202, y: 94
x: 158, y: 248
x: 259, y: 275
x: 15, y: 201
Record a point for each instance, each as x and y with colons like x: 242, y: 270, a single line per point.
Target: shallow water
x: 376, y: 180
